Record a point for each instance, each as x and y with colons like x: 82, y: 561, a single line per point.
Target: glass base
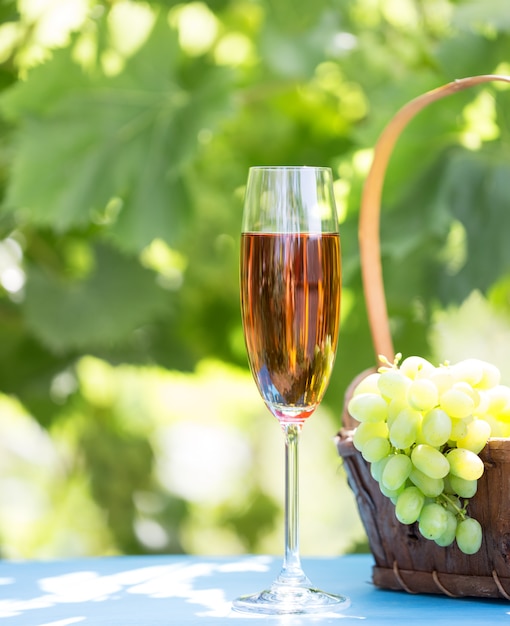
x: 284, y: 600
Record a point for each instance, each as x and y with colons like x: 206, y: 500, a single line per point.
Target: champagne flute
x: 290, y: 303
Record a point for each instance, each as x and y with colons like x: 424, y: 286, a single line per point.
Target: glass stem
x: 292, y: 573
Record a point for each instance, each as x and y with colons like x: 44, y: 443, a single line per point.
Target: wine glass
x: 290, y: 304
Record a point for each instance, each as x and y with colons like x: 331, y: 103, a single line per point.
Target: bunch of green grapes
x: 421, y: 428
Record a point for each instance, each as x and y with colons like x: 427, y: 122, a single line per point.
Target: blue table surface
x: 156, y: 590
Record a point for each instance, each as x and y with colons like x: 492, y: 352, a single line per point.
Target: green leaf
x: 478, y: 190
x: 27, y: 367
x: 87, y: 139
x: 292, y: 51
x: 101, y: 311
x: 8, y: 11
x: 115, y: 478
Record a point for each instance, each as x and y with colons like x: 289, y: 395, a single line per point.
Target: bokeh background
x: 129, y: 422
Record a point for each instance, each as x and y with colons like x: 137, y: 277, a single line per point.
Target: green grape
x: 498, y: 428
x: 375, y: 449
x: 482, y: 408
x: 396, y: 471
x: 436, y: 428
x: 465, y: 464
x: 392, y: 494
x: 468, y: 370
x: 477, y: 434
x: 368, y: 407
x: 459, y: 429
x: 393, y: 384
x: 394, y: 408
x: 433, y: 520
x: 466, y: 388
x: 499, y: 399
x: 368, y: 430
x: 469, y: 535
x: 463, y: 488
x: 456, y: 403
x: 442, y: 379
x: 377, y: 467
x: 416, y: 366
x: 422, y: 394
x: 503, y: 416
x: 430, y: 487
x: 430, y: 461
x: 447, y: 537
x: 409, y: 505
x: 368, y: 384
x: 405, y: 428
x: 491, y: 376
x: 448, y: 489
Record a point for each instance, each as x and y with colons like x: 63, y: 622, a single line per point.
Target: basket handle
x: 370, y: 209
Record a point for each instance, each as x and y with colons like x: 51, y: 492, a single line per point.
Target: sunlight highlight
x: 54, y: 19
x: 97, y: 381
x: 130, y: 24
x: 362, y: 160
x: 348, y: 304
x: 481, y: 121
x: 454, y: 254
x: 234, y: 49
x: 187, y: 581
x: 488, y: 330
x: 197, y: 27
x: 503, y: 69
x: 197, y: 461
x: 341, y: 189
x: 401, y: 13
x: 170, y: 264
x: 12, y: 276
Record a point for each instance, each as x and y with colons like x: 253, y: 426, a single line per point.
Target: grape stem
x: 445, y: 498
x: 387, y: 365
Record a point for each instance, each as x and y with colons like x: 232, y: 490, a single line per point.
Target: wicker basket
x: 404, y: 560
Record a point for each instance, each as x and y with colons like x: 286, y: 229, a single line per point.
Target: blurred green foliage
x: 127, y: 131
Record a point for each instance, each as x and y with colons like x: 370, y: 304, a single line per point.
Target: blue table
x: 157, y: 590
